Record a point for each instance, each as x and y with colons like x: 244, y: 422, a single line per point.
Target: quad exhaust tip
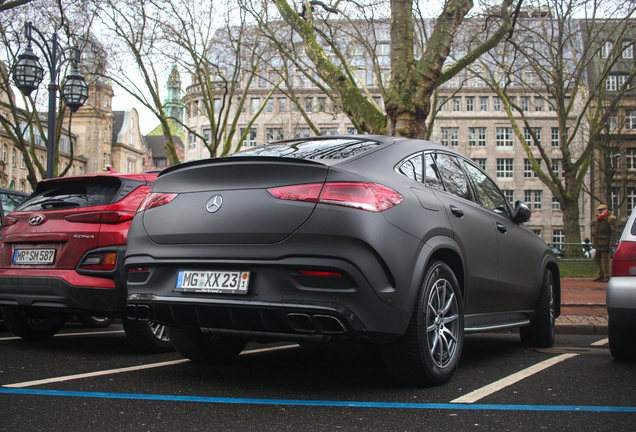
x: 138, y: 312
x: 309, y: 324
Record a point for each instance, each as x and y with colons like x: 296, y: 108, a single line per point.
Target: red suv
x: 62, y: 253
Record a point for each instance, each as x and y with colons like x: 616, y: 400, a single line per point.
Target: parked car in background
x: 393, y: 241
x: 621, y: 295
x: 62, y: 253
x: 10, y: 199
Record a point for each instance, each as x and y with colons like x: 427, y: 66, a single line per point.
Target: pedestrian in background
x: 587, y: 247
x: 604, y: 238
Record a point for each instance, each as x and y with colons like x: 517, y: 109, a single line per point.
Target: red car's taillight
x: 371, y: 197
x: 100, y: 261
x: 624, y: 262
x: 153, y: 200
x: 101, y: 217
x: 8, y: 220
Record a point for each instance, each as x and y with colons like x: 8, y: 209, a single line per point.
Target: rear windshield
x: 313, y: 149
x: 80, y: 192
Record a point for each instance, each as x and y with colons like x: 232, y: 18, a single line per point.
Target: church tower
x: 172, y: 102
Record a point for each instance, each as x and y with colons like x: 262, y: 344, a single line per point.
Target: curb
x: 570, y: 324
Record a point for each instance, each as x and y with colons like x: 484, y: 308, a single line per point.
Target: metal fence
x: 573, y: 251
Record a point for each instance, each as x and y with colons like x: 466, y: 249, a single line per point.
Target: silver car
x: 621, y: 296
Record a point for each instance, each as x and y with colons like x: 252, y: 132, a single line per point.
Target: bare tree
x: 331, y: 32
x: 562, y: 62
x: 131, y: 32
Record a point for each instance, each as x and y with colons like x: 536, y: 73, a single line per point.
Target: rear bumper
x: 57, y: 293
x: 68, y: 291
x: 621, y: 301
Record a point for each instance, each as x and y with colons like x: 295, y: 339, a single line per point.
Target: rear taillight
x: 100, y: 261
x: 153, y: 200
x: 371, y: 197
x: 8, y: 220
x: 101, y: 217
x: 624, y: 261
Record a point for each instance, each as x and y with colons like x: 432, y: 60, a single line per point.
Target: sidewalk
x: 583, y: 308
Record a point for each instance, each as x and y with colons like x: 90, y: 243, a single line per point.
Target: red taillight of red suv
x: 108, y: 217
x: 624, y: 261
x: 371, y: 197
x: 153, y: 200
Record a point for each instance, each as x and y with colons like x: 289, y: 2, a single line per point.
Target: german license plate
x: 225, y: 282
x: 33, y: 256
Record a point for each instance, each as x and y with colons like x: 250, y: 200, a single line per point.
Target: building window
x: 217, y: 105
x: 505, y: 168
x: 130, y: 165
x: 483, y: 103
x: 628, y: 50
x: 206, y: 136
x: 302, y: 133
x: 558, y: 236
x: 192, y: 141
x: 613, y: 123
x: 534, y: 199
x: 536, y: 231
x: 630, y: 119
x: 496, y: 102
x: 525, y: 103
x: 528, y: 136
x: 477, y: 137
x: 383, y: 48
x: 322, y: 104
x: 4, y: 153
x: 556, y: 205
x: 528, y: 172
x: 538, y: 103
x: 557, y: 167
x: 22, y: 163
x: 555, y: 137
x: 269, y: 106
x: 328, y: 131
x: 470, y: 103
x: 509, y: 195
x: 504, y: 137
x: 456, y: 104
x: 13, y: 157
x: 250, y: 139
x: 105, y: 160
x: 309, y: 102
x: 450, y: 136
x: 256, y: 105
x: 611, y: 83
x: 274, y: 134
x: 282, y: 105
x: 606, y: 48
x: 22, y: 186
x: 481, y: 163
x: 631, y: 200
x: 351, y: 131
x: 442, y: 103
x: 630, y: 158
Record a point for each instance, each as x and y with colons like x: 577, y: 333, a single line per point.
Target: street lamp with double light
x: 28, y: 74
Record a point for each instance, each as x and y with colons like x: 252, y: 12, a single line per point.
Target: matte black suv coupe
x: 399, y: 242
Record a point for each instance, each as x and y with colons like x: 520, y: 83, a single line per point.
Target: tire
x: 540, y: 332
x: 202, y: 348
x: 95, y: 321
x: 622, y: 342
x: 148, y: 336
x: 429, y: 352
x: 31, y: 324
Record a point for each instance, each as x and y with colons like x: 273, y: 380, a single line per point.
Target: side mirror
x: 521, y: 213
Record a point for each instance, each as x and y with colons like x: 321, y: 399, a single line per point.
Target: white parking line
x: 127, y: 369
x: 601, y: 342
x: 69, y: 334
x: 481, y: 393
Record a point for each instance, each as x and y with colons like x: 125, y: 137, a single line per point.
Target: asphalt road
x: 98, y: 382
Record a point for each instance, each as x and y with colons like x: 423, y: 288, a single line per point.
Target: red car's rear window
x: 76, y: 193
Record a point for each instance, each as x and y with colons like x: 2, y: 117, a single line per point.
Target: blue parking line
x: 293, y: 402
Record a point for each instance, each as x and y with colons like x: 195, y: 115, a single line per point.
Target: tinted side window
x: 487, y: 190
x: 412, y: 168
x: 10, y: 202
x: 431, y: 173
x: 85, y: 192
x: 453, y: 176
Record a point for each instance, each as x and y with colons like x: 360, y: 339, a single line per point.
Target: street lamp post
x: 28, y: 74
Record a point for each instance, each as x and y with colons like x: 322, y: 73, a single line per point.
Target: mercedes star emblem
x: 214, y: 204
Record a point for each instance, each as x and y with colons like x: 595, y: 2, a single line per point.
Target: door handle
x: 457, y: 211
x: 501, y: 227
